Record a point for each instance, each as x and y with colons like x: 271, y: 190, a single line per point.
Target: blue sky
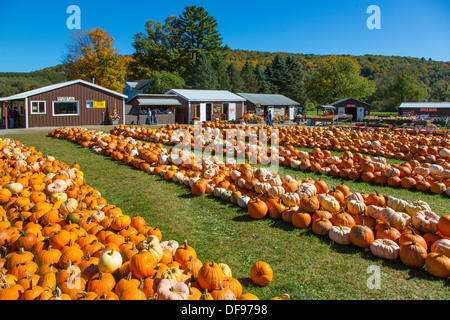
x: 33, y: 34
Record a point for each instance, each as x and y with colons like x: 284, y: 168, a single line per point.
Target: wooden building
x: 71, y: 103
x: 207, y: 105
x: 425, y: 109
x: 260, y: 104
x: 137, y: 108
x: 350, y: 106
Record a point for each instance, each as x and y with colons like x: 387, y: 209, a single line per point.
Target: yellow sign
x: 100, y: 104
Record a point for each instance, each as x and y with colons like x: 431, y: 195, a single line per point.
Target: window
x: 90, y: 104
x: 65, y: 108
x: 38, y: 107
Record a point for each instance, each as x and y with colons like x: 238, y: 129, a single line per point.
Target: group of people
x: 152, y: 117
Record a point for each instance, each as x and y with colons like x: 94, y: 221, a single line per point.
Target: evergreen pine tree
x: 296, y: 90
x: 263, y: 84
x: 220, y: 67
x: 202, y: 74
x: 279, y: 76
x: 236, y: 82
x: 249, y: 77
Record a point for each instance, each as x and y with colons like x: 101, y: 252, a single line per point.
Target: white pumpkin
x: 385, y: 248
x: 340, y: 234
x: 243, y: 201
x: 110, y: 261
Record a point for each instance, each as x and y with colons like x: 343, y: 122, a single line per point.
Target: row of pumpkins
x: 392, y: 228
x: 423, y: 148
x: 61, y: 240
x: 412, y: 175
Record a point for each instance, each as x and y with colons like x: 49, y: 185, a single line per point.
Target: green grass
x: 305, y: 266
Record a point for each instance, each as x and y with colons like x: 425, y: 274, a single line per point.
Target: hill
x: 374, y: 67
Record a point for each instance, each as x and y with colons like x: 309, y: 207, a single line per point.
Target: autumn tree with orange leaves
x: 90, y: 56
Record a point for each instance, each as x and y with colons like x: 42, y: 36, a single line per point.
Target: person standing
x: 269, y: 119
x: 11, y: 119
x: 149, y: 115
x: 154, y: 116
x: 16, y: 117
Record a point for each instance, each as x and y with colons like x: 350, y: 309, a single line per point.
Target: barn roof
x: 345, y: 99
x: 206, y: 95
x: 268, y: 99
x: 52, y: 87
x: 425, y: 105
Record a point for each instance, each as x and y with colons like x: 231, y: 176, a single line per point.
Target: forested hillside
x: 431, y: 77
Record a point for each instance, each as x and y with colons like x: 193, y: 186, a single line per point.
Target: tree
x: 397, y: 86
x: 163, y: 81
x: 91, y: 55
x: 263, y: 85
x: 197, y: 32
x: 158, y: 49
x: 277, y: 74
x: 220, y: 67
x: 296, y: 90
x: 236, y: 82
x: 338, y: 77
x: 249, y: 77
x: 439, y: 91
x: 202, y: 74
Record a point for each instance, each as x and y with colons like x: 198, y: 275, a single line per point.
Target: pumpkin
x: 342, y: 218
x: 409, y: 235
x: 441, y: 246
x: 223, y: 293
x: 301, y: 220
x: 330, y: 204
x: 321, y: 226
x: 444, y: 225
x: 438, y: 265
x: 398, y: 205
x: 385, y: 249
x: 170, y: 289
x: 356, y: 207
x: 309, y: 204
x: 413, y: 254
x: 361, y: 236
x: 257, y: 209
x: 110, y: 261
x: 243, y: 201
x: 425, y: 221
x: 340, y: 234
x: 209, y: 276
x: 261, y: 273
x: 101, y: 283
x: 142, y: 264
x: 417, y: 205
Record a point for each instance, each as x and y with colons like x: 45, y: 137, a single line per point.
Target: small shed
x: 350, y: 106
x: 425, y: 109
x: 280, y: 105
x: 207, y: 105
x: 165, y: 106
x: 70, y: 103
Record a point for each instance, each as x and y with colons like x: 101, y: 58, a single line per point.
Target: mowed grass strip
x: 306, y: 266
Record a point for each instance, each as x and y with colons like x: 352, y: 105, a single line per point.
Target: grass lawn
x: 305, y: 266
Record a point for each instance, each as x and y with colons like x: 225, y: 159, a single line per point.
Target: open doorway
x: 352, y: 112
x: 209, y: 110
